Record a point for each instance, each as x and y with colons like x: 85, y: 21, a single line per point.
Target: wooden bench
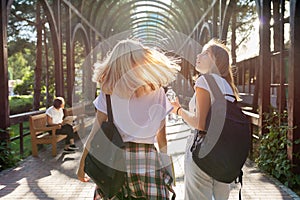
x: 42, y: 134
x: 83, y: 119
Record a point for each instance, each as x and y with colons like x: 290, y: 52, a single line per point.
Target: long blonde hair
x: 222, y: 61
x: 134, y: 69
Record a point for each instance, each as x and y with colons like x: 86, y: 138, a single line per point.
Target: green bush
x: 273, y: 150
x: 20, y: 104
x: 7, y: 158
x: 26, y: 86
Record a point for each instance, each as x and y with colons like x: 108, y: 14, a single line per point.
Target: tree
x: 26, y: 86
x: 242, y: 25
x: 38, y: 67
x: 24, y: 21
x: 17, y: 65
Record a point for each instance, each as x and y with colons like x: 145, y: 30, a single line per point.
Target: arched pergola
x: 152, y: 21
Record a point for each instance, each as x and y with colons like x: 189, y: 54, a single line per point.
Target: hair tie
x: 178, y: 110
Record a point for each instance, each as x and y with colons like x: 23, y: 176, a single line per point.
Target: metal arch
x: 226, y: 19
x: 56, y: 48
x: 146, y: 19
x: 4, y: 102
x: 156, y: 28
x: 155, y: 31
x: 81, y: 17
x: 106, y: 28
x: 167, y: 32
x: 165, y: 7
x: 50, y: 15
x: 87, y: 6
x: 104, y: 14
x: 171, y: 42
x: 167, y: 38
x: 183, y: 23
x: 79, y: 28
x: 183, y: 8
x: 139, y: 28
x: 201, y: 20
x: 155, y: 43
x: 162, y: 15
x: 87, y: 70
x: 92, y: 10
x: 143, y: 23
x: 205, y: 30
x: 149, y: 26
x: 174, y: 11
x: 294, y: 107
x: 187, y: 9
x: 149, y: 35
x: 8, y: 6
x: 182, y: 26
x: 158, y: 35
x: 158, y: 32
x: 153, y: 40
x: 93, y: 13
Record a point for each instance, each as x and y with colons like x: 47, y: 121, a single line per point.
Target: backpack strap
x: 213, y: 86
x: 109, y: 111
x: 230, y: 95
x: 240, y: 180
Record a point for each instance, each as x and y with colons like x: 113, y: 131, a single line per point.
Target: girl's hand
x: 175, y: 105
x: 82, y: 176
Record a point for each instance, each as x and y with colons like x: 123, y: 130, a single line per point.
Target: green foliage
x: 26, y: 86
x: 17, y: 65
x: 19, y: 104
x: 7, y: 158
x: 245, y: 19
x: 15, y: 148
x: 273, y: 150
x: 18, y: 27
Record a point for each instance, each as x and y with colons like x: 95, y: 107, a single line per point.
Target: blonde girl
x: 134, y: 76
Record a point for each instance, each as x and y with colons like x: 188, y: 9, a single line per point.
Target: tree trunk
x: 38, y: 66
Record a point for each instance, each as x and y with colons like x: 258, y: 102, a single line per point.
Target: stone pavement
x: 47, y: 177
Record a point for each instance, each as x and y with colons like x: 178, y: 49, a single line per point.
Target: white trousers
x: 198, y: 185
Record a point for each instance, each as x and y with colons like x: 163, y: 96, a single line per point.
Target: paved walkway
x: 48, y: 177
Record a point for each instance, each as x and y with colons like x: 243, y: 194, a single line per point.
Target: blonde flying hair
x: 134, y: 69
x: 221, y: 56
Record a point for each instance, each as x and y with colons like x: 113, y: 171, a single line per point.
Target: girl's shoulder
x: 201, y: 80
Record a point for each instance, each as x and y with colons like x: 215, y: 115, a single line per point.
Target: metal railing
x: 20, y: 119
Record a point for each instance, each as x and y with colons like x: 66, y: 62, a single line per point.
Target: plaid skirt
x: 146, y: 179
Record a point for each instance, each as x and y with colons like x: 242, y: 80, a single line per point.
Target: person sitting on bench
x: 55, y: 117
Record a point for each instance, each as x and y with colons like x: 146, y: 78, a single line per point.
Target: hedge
x: 20, y: 104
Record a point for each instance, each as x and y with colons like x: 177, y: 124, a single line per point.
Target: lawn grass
x: 15, y: 145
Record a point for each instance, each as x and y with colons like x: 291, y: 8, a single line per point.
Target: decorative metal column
x: 293, y: 80
x: 69, y: 58
x: 59, y: 74
x: 265, y: 60
x: 4, y: 106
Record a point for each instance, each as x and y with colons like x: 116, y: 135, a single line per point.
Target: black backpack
x: 223, y: 150
x: 105, y: 161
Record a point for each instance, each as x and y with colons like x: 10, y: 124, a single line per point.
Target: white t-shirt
x: 138, y: 118
x: 56, y: 115
x: 202, y: 83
